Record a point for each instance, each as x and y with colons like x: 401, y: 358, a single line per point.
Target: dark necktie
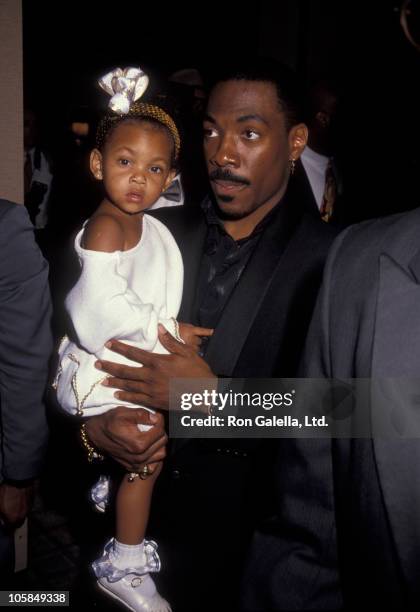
x: 330, y: 194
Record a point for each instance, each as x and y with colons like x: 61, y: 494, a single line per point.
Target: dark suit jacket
x: 25, y: 345
x: 300, y: 183
x: 359, y: 534
x: 216, y: 489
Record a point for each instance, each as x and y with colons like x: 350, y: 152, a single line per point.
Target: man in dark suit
x: 25, y: 348
x: 352, y: 506
x: 253, y: 260
x: 371, y: 291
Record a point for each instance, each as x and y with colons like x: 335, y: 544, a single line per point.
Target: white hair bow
x: 125, y: 86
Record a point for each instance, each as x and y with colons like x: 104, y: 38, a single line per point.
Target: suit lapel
x: 191, y: 239
x: 396, y: 354
x: 239, y: 313
x: 190, y: 233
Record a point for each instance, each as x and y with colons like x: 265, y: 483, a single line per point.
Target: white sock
x: 127, y: 555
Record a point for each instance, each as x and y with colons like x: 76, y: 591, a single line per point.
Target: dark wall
x: 68, y: 45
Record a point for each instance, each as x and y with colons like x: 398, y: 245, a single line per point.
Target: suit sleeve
x: 293, y: 562
x: 25, y: 345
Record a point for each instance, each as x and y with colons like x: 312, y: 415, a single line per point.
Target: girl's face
x: 135, y: 166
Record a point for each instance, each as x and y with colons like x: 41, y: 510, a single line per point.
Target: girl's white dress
x: 122, y: 295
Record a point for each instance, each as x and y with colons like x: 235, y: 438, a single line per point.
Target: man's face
x: 247, y: 147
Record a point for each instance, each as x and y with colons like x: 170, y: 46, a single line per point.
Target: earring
x: 292, y: 164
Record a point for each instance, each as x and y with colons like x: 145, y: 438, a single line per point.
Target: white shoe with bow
x: 133, y: 586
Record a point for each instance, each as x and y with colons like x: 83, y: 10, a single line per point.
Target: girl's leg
x: 133, y: 507
x: 123, y: 570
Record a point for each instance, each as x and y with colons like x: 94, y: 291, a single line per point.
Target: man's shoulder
x: 317, y: 227
x: 11, y: 209
x: 395, y: 234
x: 13, y: 217
x: 20, y: 256
x: 178, y: 218
x: 318, y: 236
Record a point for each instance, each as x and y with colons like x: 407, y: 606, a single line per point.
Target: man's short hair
x: 269, y: 70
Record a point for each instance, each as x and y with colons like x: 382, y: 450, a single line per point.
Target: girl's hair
x: 139, y: 111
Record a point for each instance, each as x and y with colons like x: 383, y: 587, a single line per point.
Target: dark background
x: 68, y: 45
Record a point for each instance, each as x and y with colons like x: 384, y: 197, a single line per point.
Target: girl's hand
x: 192, y: 335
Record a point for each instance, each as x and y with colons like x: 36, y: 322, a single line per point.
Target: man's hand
x: 149, y: 385
x: 15, y: 503
x: 116, y: 433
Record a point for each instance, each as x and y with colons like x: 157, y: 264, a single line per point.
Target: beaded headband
x: 125, y: 87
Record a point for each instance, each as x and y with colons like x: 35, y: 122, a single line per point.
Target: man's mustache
x: 219, y: 174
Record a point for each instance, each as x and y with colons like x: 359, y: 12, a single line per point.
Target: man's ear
x: 96, y: 164
x: 172, y: 174
x: 298, y: 138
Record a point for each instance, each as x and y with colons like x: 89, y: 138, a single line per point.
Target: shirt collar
x: 210, y: 212
x: 315, y: 159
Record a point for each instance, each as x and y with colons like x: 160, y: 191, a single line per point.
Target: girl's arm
x: 103, y: 233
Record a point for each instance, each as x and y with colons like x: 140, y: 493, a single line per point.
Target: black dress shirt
x: 223, y: 263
